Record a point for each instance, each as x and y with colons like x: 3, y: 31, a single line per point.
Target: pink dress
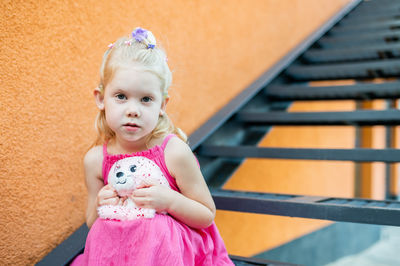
x: 161, y: 240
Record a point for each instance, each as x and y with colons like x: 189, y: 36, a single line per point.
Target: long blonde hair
x: 154, y: 60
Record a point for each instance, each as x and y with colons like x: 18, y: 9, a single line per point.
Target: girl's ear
x: 164, y: 106
x: 99, y: 98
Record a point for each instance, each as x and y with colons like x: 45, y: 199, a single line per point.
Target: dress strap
x: 167, y: 138
x: 105, y: 153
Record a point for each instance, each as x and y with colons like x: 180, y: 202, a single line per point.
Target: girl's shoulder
x: 94, y: 156
x: 177, y: 148
x: 178, y: 154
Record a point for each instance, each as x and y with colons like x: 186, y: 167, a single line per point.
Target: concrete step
x: 385, y: 252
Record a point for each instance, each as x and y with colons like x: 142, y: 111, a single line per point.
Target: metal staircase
x: 358, y: 51
x: 361, y: 43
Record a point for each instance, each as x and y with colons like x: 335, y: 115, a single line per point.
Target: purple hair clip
x: 144, y: 36
x: 139, y: 34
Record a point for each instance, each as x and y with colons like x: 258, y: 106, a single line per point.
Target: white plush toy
x: 125, y: 176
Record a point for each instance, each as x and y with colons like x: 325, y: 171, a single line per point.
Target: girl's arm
x: 98, y: 194
x: 195, y: 206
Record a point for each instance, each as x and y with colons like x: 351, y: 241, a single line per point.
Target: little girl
x: 132, y: 97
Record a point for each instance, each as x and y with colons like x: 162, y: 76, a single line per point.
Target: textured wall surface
x: 50, y: 55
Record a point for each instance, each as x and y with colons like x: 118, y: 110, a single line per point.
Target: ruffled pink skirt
x: 161, y: 240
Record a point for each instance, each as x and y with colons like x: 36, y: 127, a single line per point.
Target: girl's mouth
x: 131, y: 127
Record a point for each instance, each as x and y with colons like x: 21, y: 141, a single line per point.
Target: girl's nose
x: 133, y: 111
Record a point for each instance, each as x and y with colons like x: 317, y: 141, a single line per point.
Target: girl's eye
x: 121, y: 97
x: 147, y: 99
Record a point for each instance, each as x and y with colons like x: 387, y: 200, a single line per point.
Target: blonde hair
x: 127, y: 51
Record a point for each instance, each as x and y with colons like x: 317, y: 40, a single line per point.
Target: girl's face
x: 133, y: 103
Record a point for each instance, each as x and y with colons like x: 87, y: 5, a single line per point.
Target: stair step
x: 244, y: 261
x: 373, y: 52
x: 355, y: 155
x: 326, y: 208
x: 64, y: 253
x: 359, y: 117
x: 367, y: 91
x: 364, y: 28
x: 376, y: 8
x: 361, y: 39
x: 369, y: 18
x: 354, y: 70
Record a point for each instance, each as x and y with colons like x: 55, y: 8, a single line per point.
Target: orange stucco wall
x: 50, y: 55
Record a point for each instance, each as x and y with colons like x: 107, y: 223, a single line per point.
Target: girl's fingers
x: 140, y: 192
x: 107, y: 196
x: 148, y: 182
x: 142, y: 202
x: 108, y: 192
x: 108, y: 187
x: 148, y: 192
x: 111, y: 201
x: 123, y: 201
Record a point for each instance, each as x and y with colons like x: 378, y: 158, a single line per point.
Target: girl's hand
x: 150, y: 194
x: 108, y: 196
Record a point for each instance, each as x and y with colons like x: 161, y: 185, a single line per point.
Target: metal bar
x: 368, y: 69
x: 360, y: 28
x: 358, y: 180
x: 362, y: 117
x: 373, y: 9
x: 389, y: 144
x: 389, y: 24
x: 366, y: 18
x: 355, y: 155
x: 257, y: 261
x: 365, y: 91
x: 327, y: 55
x: 334, y: 209
x: 370, y: 19
x: 360, y: 36
x: 360, y: 40
x: 373, y: 20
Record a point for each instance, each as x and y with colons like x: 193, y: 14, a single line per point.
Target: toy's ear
x: 111, y: 178
x: 99, y: 98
